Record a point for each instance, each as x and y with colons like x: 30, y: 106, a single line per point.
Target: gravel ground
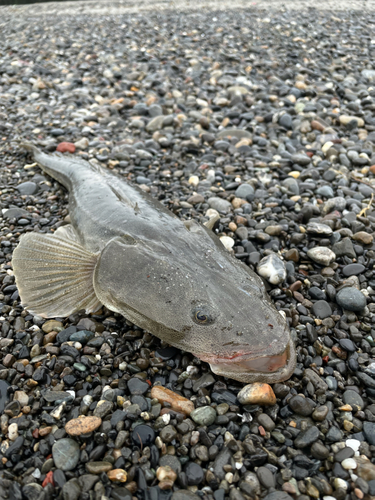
x: 265, y: 116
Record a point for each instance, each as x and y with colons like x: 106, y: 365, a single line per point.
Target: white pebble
x: 354, y: 444
x: 272, y: 268
x: 87, y: 400
x: 36, y: 474
x: 340, y: 483
x: 13, y: 432
x: 321, y: 255
x: 58, y: 411
x: 166, y: 418
x: 194, y: 180
x: 349, y: 463
x: 229, y: 477
x: 227, y: 241
x: 211, y: 212
x: 122, y: 366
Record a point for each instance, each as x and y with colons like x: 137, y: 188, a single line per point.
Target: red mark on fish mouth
x: 246, y: 362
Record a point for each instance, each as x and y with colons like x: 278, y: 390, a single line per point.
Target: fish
x: 123, y: 249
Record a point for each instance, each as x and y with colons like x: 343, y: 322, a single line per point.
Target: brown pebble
x: 238, y: 202
x: 295, y: 286
x: 238, y: 219
x: 82, y: 425
x: 44, y: 431
x: 340, y: 353
x: 298, y: 296
x: 363, y: 237
x: 358, y: 493
x: 52, y: 325
x: 117, y: 475
x: 292, y: 254
x: 317, y: 126
x: 166, y: 474
x: 8, y: 360
x: 177, y: 402
x: 49, y: 338
x: 289, y: 488
x: 257, y: 393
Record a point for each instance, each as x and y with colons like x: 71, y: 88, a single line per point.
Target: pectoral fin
x: 54, y: 275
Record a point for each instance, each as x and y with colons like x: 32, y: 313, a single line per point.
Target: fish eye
x: 201, y: 315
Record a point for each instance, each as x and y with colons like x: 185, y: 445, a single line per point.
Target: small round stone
x: 98, y: 467
x: 143, y: 435
x: 301, y: 405
x: 351, y: 299
x: 194, y: 474
x: 65, y: 453
x: 349, y: 463
x: 321, y: 255
x: 66, y: 147
x: 257, y: 393
x: 321, y: 309
x: 118, y: 475
x: 82, y: 425
x: 272, y: 268
x: 204, y: 415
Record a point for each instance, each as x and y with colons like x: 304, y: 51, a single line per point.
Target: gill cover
x: 141, y: 282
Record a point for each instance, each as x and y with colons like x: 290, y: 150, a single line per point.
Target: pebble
x: 307, y: 437
x: 272, y: 268
x: 244, y: 190
x: 353, y: 443
x: 349, y: 463
x: 321, y: 309
x: 177, y: 402
x: 82, y: 425
x: 118, y: 475
x: 257, y: 393
x: 321, y: 255
x: 301, y: 405
x: 222, y: 206
x: 98, y: 467
x: 205, y: 415
x: 66, y: 147
x: 351, y: 299
x: 143, y: 435
x: 65, y: 454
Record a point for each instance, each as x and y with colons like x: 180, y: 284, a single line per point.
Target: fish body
x: 174, y: 279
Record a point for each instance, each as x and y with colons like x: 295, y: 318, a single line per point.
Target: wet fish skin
x: 174, y: 279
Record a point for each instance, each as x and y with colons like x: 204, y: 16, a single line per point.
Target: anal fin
x: 54, y: 275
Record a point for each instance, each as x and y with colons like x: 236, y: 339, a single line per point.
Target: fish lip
x: 247, y: 377
x: 241, y: 356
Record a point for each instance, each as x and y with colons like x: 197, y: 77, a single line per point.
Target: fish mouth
x: 249, y: 368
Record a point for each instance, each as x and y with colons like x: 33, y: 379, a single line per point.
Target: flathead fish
x: 173, y: 278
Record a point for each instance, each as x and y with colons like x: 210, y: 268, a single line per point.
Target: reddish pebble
x: 66, y: 147
x: 48, y: 479
x: 295, y: 286
x: 36, y: 433
x: 262, y: 432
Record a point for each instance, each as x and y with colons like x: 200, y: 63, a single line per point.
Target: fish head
x: 202, y: 301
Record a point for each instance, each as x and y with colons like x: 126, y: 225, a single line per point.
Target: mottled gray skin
x: 157, y: 272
